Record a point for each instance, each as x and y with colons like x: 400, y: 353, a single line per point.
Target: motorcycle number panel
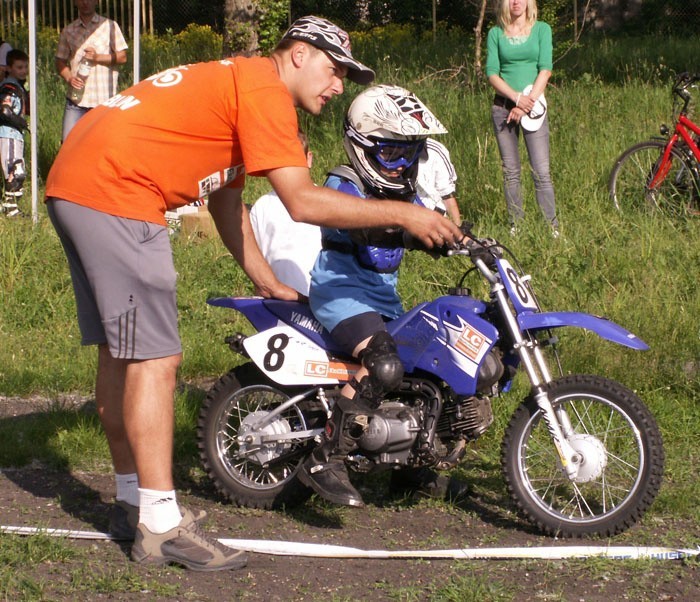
x: 289, y: 358
x: 516, y: 288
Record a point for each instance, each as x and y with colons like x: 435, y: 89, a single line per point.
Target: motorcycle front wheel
x: 621, y: 452
x: 243, y: 459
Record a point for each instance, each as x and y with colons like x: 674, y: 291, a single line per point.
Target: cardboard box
x: 198, y: 224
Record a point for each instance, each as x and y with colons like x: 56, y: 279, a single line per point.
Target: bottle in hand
x: 84, y: 69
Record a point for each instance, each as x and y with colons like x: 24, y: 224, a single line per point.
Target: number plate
x: 516, y: 287
x: 289, y: 358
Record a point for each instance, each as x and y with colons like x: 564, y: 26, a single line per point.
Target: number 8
x: 274, y: 359
x: 519, y: 288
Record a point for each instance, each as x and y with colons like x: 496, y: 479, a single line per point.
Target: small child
x: 291, y: 248
x: 14, y: 105
x: 354, y: 283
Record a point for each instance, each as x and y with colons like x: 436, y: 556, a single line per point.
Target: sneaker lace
x: 195, y: 529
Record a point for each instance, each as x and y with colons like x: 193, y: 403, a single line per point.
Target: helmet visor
x: 393, y: 154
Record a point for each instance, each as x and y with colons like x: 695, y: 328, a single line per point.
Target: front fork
x: 557, y: 421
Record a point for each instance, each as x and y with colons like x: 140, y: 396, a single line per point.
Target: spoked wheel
x: 621, y: 454
x: 641, y: 180
x: 252, y: 459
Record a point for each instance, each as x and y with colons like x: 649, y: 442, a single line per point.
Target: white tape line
x: 56, y: 533
x: 293, y: 548
x: 290, y: 548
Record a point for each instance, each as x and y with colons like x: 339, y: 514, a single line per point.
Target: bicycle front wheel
x: 641, y: 180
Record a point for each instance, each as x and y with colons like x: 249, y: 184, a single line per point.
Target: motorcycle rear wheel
x: 251, y: 475
x: 622, y: 460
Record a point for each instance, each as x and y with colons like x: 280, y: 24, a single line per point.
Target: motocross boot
x: 324, y: 471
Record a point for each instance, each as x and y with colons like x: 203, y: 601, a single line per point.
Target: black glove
x: 411, y: 243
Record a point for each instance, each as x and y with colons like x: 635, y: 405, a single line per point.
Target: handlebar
x: 484, y: 249
x: 680, y: 87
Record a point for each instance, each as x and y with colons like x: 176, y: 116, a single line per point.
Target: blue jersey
x: 341, y: 287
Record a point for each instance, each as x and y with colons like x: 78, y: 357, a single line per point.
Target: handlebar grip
x: 466, y: 228
x: 683, y: 81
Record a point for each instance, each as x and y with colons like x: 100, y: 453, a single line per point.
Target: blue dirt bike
x: 581, y: 455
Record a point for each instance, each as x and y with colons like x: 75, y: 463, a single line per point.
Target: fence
x: 156, y: 15
x: 58, y: 13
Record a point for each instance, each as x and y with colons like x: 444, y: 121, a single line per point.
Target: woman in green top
x: 519, y: 55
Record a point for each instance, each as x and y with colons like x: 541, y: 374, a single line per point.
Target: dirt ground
x: 35, y: 497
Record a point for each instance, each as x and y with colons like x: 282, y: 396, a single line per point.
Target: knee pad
x: 18, y: 176
x: 382, y: 361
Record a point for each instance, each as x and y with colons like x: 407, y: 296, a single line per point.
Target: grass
x: 20, y: 555
x: 638, y: 269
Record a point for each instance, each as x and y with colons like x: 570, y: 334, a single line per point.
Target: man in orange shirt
x: 148, y: 150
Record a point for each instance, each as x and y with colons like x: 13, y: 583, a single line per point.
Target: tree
x: 241, y: 22
x: 253, y: 26
x: 478, y: 34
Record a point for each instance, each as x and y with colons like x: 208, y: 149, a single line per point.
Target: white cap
x: 533, y: 120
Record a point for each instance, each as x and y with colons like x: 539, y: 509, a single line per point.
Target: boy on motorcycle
x: 353, y: 283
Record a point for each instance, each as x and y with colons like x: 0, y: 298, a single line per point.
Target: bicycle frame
x: 681, y: 132
x: 683, y: 126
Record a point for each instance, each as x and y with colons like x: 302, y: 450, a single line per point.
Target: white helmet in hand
x: 385, y: 132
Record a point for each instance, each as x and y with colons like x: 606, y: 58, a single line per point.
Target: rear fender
x: 265, y: 314
x: 252, y: 308
x: 601, y: 326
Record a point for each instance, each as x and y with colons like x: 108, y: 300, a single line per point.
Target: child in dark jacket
x: 14, y: 106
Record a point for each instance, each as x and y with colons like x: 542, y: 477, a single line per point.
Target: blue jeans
x: 70, y: 117
x: 537, y: 144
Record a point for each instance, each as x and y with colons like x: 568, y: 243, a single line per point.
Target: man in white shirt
x: 289, y: 247
x: 4, y: 49
x: 437, y: 179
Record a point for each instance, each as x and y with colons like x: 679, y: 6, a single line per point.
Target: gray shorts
x: 124, y: 281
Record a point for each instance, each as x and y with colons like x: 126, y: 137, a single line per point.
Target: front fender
x: 601, y: 326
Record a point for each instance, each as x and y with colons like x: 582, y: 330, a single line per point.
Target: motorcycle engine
x: 466, y: 417
x: 391, y: 432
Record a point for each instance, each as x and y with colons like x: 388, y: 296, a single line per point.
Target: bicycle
x: 663, y: 173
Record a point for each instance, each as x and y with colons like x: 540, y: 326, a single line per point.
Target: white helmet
x: 385, y: 131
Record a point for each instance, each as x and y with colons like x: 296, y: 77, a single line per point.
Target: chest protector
x: 378, y: 249
x: 13, y: 105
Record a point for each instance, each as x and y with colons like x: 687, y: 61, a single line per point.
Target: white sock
x: 158, y: 510
x: 128, y: 488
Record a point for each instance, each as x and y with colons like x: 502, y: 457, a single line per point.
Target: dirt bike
x: 581, y: 455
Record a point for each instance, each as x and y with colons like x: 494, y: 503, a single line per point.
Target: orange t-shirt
x: 177, y: 136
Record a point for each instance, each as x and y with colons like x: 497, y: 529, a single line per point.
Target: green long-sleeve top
x: 518, y: 61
